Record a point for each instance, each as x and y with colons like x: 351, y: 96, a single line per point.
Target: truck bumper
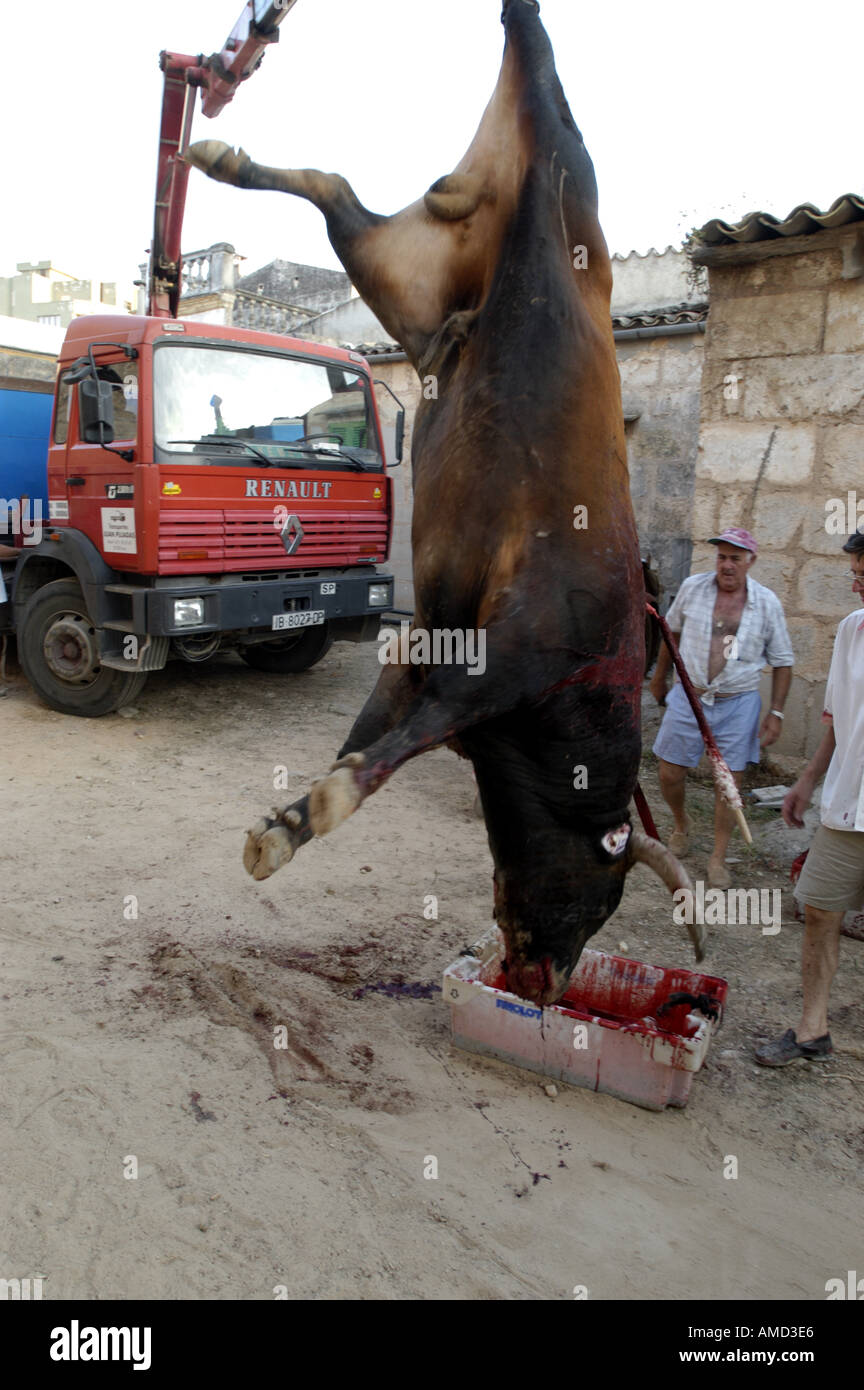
x: 243, y: 605
x: 242, y: 608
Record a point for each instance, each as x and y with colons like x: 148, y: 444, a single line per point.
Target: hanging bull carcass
x: 497, y: 283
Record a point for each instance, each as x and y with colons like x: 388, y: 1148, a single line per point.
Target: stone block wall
x: 660, y: 382
x: 660, y: 388
x: 782, y: 433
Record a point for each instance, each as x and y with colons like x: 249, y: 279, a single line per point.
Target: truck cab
x: 207, y: 488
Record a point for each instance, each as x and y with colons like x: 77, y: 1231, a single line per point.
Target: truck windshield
x: 294, y: 413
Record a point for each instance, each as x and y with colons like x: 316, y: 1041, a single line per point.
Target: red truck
x: 208, y: 487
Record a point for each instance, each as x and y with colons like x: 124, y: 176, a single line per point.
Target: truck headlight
x: 379, y: 595
x: 188, y: 612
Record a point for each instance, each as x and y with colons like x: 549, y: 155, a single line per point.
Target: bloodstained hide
x: 497, y: 283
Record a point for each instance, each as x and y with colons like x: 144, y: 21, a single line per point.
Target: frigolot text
x: 524, y: 1009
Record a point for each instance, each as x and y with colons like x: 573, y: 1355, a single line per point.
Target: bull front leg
x: 274, y: 840
x: 449, y: 700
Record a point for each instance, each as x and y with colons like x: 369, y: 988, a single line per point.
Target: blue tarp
x: 25, y: 423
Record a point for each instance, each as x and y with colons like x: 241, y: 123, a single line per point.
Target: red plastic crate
x: 605, y: 1034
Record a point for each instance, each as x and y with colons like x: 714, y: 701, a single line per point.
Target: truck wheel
x: 59, y: 653
x: 290, y: 654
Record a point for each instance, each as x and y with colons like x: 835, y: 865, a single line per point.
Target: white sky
x: 689, y: 111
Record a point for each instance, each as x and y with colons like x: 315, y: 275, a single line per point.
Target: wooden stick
x: 742, y: 824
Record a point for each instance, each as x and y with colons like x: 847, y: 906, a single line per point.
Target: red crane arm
x: 218, y: 77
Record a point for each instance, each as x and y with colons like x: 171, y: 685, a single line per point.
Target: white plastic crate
x: 605, y: 1034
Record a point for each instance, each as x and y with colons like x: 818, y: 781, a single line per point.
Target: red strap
x: 644, y: 813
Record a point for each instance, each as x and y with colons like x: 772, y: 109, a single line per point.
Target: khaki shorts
x: 833, y: 874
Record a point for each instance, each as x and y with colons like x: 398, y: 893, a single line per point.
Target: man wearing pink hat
x: 728, y: 627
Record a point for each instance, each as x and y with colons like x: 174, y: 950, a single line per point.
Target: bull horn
x: 645, y: 850
x: 454, y: 197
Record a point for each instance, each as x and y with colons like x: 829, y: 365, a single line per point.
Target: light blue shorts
x: 733, y: 722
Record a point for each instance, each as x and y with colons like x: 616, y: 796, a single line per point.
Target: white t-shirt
x: 843, y: 789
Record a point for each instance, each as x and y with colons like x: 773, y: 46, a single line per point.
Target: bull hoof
x: 219, y: 161
x: 271, y: 843
x: 333, y: 799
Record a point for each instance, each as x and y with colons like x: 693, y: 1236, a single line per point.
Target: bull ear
x: 643, y: 850
x: 454, y: 196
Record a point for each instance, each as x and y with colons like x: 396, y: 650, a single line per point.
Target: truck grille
x: 249, y: 540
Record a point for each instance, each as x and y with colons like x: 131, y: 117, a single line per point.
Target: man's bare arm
x: 798, y: 798
x: 658, y: 684
x: 772, y: 727
x: 781, y: 679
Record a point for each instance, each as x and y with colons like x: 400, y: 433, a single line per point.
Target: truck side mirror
x: 96, y: 411
x: 398, y: 425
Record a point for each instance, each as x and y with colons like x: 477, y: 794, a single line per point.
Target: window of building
x: 53, y: 320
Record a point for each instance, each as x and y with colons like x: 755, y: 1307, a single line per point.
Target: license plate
x: 283, y: 620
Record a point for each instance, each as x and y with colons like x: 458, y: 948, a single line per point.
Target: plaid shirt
x: 761, y: 638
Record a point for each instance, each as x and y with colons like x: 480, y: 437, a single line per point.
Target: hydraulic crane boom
x: 218, y: 77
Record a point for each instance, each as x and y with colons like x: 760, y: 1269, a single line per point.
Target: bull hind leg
x: 437, y: 257
x: 401, y: 265
x: 275, y: 839
x: 330, y: 192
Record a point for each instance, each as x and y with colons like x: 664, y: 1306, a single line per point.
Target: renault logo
x: 291, y: 534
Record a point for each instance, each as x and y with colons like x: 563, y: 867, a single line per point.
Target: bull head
x: 498, y: 282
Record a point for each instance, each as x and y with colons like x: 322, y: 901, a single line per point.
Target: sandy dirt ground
x: 150, y: 1037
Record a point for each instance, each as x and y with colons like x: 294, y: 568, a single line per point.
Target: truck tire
x: 289, y: 655
x: 59, y: 654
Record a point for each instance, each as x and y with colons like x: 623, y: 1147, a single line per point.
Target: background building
x: 782, y: 420
x: 758, y: 421
x: 43, y: 294
x: 276, y: 298
x: 659, y: 309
